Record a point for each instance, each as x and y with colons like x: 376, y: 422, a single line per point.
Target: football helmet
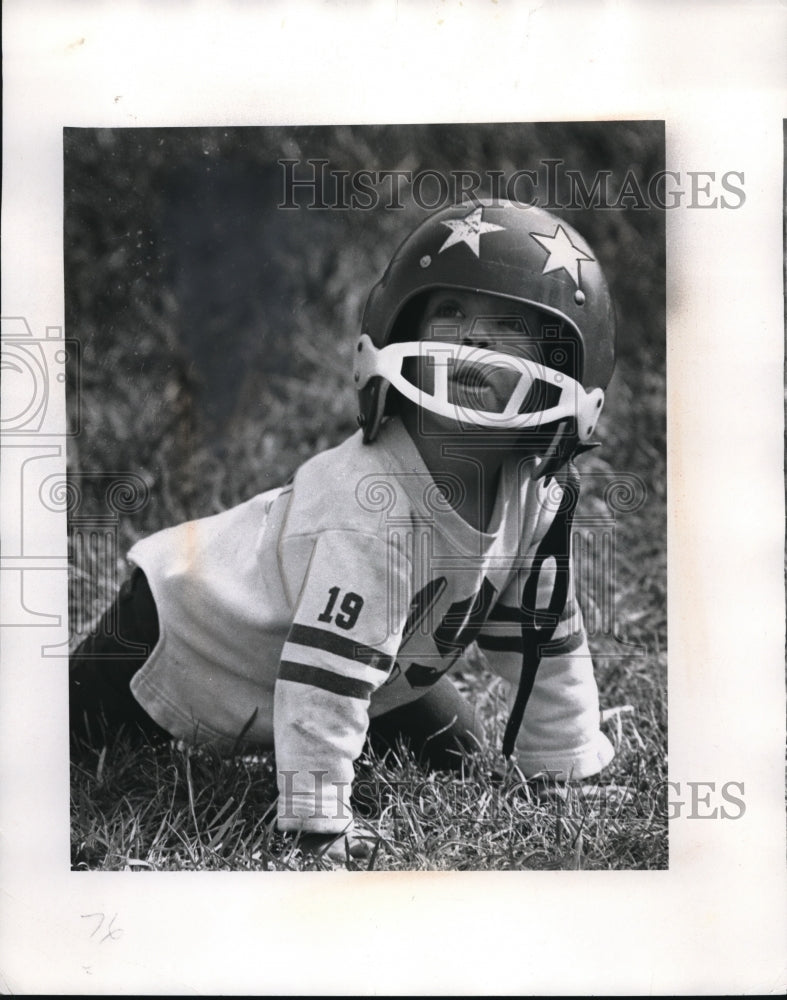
x: 516, y: 252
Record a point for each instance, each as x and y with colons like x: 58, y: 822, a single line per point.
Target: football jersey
x: 290, y: 620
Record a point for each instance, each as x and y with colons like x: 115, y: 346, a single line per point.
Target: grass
x: 178, y: 808
x: 174, y: 807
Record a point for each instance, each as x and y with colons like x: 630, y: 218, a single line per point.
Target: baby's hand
x: 336, y: 846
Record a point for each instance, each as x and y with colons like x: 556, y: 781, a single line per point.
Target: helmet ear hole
x: 373, y: 400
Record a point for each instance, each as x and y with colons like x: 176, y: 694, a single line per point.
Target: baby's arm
x: 560, y: 731
x: 340, y: 648
x: 535, y: 638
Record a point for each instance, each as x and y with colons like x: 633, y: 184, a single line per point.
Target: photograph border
x: 716, y: 920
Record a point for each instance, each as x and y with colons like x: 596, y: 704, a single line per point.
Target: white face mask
x: 466, y: 387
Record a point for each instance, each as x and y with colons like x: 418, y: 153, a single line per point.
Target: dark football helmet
x: 517, y: 252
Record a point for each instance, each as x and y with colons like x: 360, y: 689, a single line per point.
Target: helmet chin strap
x: 557, y: 453
x: 564, y: 446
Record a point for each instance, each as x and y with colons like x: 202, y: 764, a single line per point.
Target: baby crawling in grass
x: 334, y: 608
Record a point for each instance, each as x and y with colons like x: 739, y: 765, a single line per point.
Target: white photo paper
x: 198, y: 201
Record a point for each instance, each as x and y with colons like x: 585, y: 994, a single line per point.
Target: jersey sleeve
x: 535, y: 639
x: 341, y: 647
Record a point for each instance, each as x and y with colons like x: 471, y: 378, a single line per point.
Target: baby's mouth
x: 470, y: 386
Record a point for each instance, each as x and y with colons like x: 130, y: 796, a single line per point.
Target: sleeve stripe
x: 513, y: 616
x: 329, y: 661
x: 320, y: 638
x: 301, y: 673
x: 513, y: 644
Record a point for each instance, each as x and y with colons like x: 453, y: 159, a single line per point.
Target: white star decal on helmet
x: 468, y: 230
x: 562, y: 253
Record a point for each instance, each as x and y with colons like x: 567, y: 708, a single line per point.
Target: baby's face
x: 486, y: 323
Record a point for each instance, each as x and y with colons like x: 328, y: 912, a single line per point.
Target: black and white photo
x: 355, y: 550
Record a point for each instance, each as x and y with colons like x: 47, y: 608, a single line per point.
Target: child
x: 348, y: 595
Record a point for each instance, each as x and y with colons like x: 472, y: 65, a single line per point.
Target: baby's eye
x: 449, y: 310
x: 479, y: 342
x: 514, y: 324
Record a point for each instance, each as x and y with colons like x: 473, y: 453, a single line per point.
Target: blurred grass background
x: 216, y: 333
